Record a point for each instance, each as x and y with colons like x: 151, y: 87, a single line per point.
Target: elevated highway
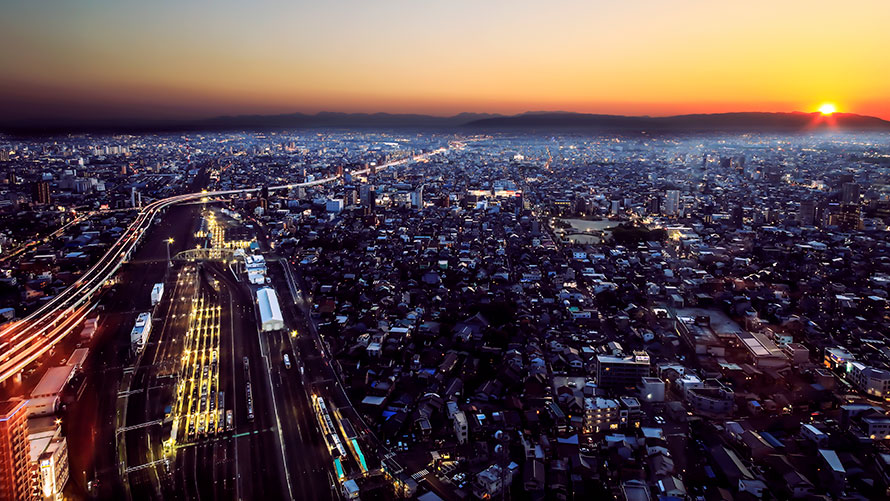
x: 27, y: 339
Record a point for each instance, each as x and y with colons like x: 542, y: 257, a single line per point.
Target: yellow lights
x: 293, y: 333
x: 827, y: 109
x: 197, y: 410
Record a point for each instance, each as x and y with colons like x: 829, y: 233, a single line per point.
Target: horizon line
x: 137, y: 118
x: 254, y: 121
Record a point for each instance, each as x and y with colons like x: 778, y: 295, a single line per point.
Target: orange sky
x: 162, y: 59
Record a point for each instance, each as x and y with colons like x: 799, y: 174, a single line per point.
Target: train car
x: 249, y: 403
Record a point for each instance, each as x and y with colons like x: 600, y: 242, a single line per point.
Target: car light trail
x: 29, y: 339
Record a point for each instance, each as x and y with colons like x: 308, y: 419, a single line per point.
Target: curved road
x: 29, y: 338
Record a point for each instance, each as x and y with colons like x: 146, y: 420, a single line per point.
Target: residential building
x: 16, y: 480
x: 621, y: 371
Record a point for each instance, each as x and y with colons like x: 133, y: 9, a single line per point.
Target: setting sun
x: 827, y: 109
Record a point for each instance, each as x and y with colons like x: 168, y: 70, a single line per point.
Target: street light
x: 169, y: 241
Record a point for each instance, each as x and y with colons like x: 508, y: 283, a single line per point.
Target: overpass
x: 204, y: 254
x: 27, y: 339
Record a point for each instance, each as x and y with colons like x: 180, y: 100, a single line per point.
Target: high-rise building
x: 653, y: 205
x: 40, y: 193
x: 264, y: 198
x: 848, y: 217
x: 16, y: 480
x: 417, y: 198
x: 823, y: 213
x: 806, y: 214
x: 738, y: 216
x: 49, y: 459
x: 350, y: 196
x: 672, y: 202
x: 850, y: 193
x: 364, y: 193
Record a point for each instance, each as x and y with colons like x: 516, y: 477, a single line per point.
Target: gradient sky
x: 88, y: 59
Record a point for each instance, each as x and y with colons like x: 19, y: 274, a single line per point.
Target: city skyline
x: 524, y: 250
x: 71, y: 61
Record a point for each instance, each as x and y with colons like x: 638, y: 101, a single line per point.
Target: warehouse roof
x: 270, y: 312
x: 53, y: 381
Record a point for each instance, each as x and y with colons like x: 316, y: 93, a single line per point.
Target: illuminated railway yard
x: 189, y: 417
x: 198, y: 410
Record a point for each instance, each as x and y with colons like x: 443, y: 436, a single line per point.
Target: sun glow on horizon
x: 827, y: 109
x: 118, y: 61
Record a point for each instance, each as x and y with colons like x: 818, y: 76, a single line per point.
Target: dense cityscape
x: 379, y: 314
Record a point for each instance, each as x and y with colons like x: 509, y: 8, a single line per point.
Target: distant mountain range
x: 751, y: 121
x: 531, y: 121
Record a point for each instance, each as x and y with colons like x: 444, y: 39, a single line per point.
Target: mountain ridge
x: 730, y: 121
x: 532, y: 120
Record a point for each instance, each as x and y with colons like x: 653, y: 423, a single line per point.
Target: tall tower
x: 672, y: 202
x: 850, y: 193
x: 417, y: 197
x: 806, y: 214
x: 40, y: 193
x: 15, y: 451
x: 364, y: 193
x: 264, y: 198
